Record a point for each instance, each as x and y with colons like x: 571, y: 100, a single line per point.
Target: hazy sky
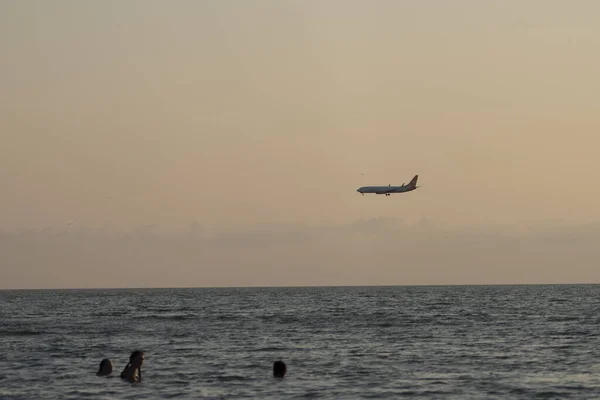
x: 237, y: 113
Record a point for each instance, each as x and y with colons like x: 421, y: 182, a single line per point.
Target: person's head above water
x: 279, y: 369
x: 136, y: 359
x: 106, y: 367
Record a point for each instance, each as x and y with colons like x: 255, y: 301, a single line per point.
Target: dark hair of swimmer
x: 105, y: 368
x: 134, y: 355
x: 279, y: 369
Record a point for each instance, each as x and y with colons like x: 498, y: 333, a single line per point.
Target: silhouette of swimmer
x: 106, y: 367
x: 279, y: 369
x: 133, y: 371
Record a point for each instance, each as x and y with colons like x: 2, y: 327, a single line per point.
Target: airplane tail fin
x: 413, y: 181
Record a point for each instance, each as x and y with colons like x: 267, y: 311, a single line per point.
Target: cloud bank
x: 375, y: 251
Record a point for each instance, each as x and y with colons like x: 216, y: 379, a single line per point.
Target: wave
x: 166, y: 317
x: 25, y: 332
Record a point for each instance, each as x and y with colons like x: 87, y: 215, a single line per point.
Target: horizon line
x: 296, y: 286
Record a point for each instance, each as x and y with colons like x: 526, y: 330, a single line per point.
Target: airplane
x: 388, y: 190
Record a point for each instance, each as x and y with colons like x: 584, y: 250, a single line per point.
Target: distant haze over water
x: 377, y: 251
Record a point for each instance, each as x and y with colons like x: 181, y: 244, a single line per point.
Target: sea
x: 424, y: 342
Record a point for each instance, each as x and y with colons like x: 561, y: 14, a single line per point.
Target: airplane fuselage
x: 387, y: 190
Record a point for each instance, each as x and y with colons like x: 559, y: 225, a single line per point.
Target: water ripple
x: 380, y: 342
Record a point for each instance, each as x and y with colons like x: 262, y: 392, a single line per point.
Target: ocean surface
x: 486, y: 342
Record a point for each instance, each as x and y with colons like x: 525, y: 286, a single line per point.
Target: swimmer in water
x: 279, y: 369
x: 132, y: 371
x: 106, y: 367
